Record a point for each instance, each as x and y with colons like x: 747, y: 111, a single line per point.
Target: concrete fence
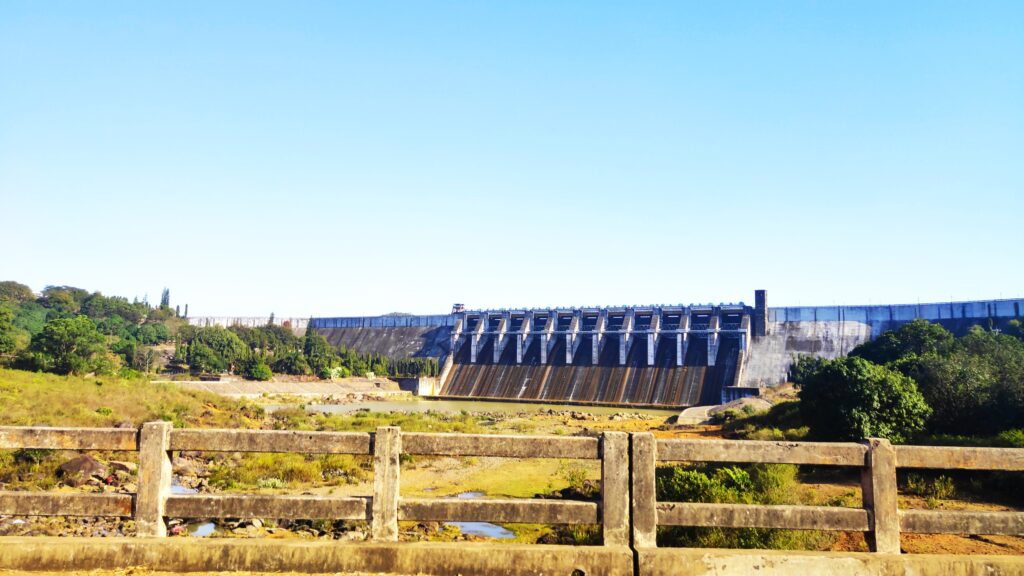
x: 628, y: 511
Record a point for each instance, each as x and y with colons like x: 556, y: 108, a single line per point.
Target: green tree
x: 202, y: 359
x: 914, y: 338
x: 319, y: 354
x: 257, y: 369
x: 852, y: 398
x: 8, y: 336
x: 228, y: 349
x: 14, y: 293
x: 958, y: 387
x: 291, y: 362
x: 165, y: 298
x: 70, y: 345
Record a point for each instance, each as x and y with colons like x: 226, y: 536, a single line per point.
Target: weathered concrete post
x: 387, y: 446
x: 154, y: 478
x: 615, y: 488
x: 645, y: 513
x: 878, y: 486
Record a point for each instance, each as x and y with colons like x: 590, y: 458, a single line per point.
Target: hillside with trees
x: 69, y: 330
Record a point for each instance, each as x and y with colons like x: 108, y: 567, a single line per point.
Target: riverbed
x: 415, y: 404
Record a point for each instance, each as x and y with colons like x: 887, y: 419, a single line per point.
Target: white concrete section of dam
x: 770, y: 356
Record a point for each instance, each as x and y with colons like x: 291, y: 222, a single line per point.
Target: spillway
x: 627, y: 357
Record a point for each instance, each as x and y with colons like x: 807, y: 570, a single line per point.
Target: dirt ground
x: 147, y: 572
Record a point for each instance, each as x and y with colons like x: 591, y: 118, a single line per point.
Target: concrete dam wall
x: 392, y: 336
x: 640, y: 356
x: 656, y: 356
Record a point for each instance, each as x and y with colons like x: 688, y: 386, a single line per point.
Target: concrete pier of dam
x: 678, y: 355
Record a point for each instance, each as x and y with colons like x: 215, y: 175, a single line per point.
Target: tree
x: 202, y: 359
x: 852, y: 398
x: 291, y: 362
x: 257, y: 369
x: 914, y: 338
x: 15, y: 293
x: 165, y: 298
x: 229, y: 350
x: 8, y: 338
x: 70, y: 345
x: 958, y: 388
x: 319, y: 354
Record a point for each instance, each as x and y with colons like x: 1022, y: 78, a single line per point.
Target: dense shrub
x: 851, y: 399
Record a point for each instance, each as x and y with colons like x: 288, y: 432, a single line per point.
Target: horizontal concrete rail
x: 511, y: 511
x: 20, y: 437
x: 268, y: 506
x: 956, y: 458
x: 816, y: 453
x: 961, y: 522
x: 501, y: 446
x: 272, y: 441
x: 183, y: 555
x: 66, y: 504
x: 751, y: 516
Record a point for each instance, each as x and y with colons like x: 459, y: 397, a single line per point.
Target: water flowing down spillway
x: 634, y: 383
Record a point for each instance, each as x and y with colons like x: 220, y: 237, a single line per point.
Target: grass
x: 248, y: 472
x: 38, y: 399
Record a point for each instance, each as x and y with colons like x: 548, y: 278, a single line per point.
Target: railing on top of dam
x: 628, y: 511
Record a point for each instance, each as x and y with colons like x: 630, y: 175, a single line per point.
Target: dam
x: 657, y: 356
x: 643, y: 356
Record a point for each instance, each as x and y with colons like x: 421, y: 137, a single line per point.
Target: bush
x: 940, y: 488
x: 757, y: 484
x: 1011, y: 438
x: 257, y: 370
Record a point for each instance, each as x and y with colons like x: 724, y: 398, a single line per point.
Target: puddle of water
x: 484, y: 529
x: 201, y: 529
x: 197, y: 529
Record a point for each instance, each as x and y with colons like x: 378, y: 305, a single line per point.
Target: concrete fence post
x: 154, y: 478
x: 878, y: 486
x: 387, y: 447
x: 615, y: 488
x: 645, y: 512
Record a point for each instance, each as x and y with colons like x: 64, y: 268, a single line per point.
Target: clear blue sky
x: 345, y: 158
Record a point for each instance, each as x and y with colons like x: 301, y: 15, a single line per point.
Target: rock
x: 124, y: 424
x: 127, y: 467
x: 81, y: 469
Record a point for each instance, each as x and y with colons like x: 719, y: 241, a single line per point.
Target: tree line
x: 257, y: 353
